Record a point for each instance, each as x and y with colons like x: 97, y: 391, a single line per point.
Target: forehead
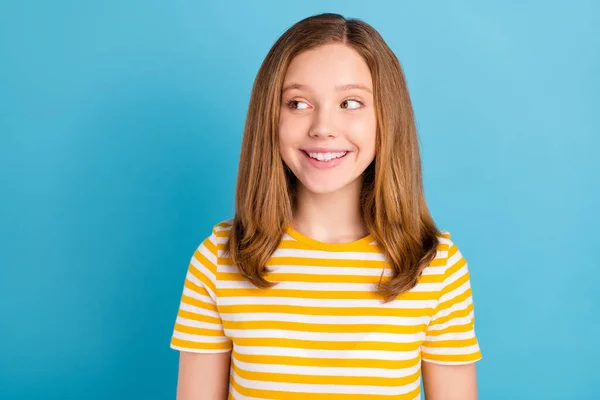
x: 328, y: 66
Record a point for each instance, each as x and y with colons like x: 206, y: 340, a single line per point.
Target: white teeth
x: 326, y: 156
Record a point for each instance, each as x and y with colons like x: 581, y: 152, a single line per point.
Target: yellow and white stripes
x: 322, y: 330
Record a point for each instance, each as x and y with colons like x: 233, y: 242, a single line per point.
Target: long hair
x: 392, y: 197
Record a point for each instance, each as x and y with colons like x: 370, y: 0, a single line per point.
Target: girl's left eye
x: 349, y: 104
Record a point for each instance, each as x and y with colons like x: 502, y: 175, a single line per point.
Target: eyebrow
x: 339, y: 88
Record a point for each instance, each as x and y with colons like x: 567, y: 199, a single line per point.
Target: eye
x: 296, y: 105
x: 351, y: 104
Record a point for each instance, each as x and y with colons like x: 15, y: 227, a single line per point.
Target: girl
x: 332, y: 280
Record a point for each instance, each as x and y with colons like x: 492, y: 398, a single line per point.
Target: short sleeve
x: 198, y: 327
x: 450, y: 337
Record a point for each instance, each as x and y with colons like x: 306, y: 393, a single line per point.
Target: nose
x: 323, y: 124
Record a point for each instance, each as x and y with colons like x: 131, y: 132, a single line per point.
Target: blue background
x: 120, y: 130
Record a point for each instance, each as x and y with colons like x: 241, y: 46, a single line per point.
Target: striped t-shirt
x: 323, y: 331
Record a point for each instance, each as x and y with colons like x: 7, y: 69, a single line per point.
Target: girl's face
x: 327, y: 123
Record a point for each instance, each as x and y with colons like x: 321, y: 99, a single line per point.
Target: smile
x: 326, y: 156
x: 323, y: 160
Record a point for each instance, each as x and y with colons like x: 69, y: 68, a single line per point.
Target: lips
x: 326, y: 156
x: 324, y: 150
x: 322, y: 164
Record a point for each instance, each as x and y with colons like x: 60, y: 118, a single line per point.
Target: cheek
x: 287, y: 140
x: 283, y: 133
x: 290, y: 132
x: 363, y: 134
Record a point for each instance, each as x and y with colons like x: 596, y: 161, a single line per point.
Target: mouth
x: 325, y: 156
x: 320, y: 159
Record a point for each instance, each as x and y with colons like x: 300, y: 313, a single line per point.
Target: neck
x: 331, y: 217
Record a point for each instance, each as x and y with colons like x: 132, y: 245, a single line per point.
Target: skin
x: 325, y: 112
x: 319, y: 109
x: 449, y: 382
x: 321, y: 115
x: 203, y: 376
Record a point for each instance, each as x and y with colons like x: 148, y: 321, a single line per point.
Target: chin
x: 323, y: 187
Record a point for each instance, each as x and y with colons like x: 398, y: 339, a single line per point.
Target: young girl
x: 332, y: 281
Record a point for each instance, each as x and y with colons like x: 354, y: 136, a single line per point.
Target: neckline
x: 348, y: 246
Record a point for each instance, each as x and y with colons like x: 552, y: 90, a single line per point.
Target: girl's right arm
x: 203, y: 376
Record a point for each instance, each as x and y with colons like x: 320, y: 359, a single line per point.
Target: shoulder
x: 210, y: 247
x: 220, y: 232
x: 444, y: 242
x: 444, y: 237
x: 454, y: 261
x: 219, y: 236
x: 444, y: 249
x: 223, y: 228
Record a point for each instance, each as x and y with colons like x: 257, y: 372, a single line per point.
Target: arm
x: 449, y: 382
x: 198, y: 335
x: 451, y: 349
x: 203, y: 376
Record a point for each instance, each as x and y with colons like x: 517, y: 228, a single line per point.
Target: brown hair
x: 392, y: 199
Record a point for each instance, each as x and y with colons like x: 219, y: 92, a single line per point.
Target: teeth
x: 326, y: 156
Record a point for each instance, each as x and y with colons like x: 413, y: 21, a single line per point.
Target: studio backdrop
x: 120, y: 131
